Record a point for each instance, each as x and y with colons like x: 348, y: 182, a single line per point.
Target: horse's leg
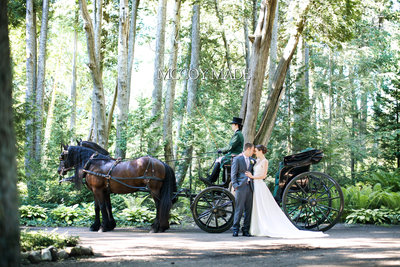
x: 112, y: 223
x: 163, y: 218
x: 101, y: 196
x: 96, y: 225
x: 155, y: 227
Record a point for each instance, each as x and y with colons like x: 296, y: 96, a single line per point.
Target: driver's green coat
x: 235, y: 147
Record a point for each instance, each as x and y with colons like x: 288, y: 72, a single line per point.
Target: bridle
x: 63, y: 169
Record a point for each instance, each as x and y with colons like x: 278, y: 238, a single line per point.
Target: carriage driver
x: 234, y: 148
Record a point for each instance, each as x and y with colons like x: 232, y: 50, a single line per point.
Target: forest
x: 164, y: 78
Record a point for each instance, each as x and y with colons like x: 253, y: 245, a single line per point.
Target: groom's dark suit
x: 243, y: 193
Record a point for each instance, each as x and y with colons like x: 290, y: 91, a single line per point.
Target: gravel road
x: 347, y: 245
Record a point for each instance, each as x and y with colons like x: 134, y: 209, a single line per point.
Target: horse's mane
x: 93, y: 145
x: 78, y: 156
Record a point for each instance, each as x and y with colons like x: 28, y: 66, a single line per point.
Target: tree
x: 41, y: 74
x: 191, y: 91
x: 123, y: 95
x: 258, y: 64
x: 387, y: 118
x: 158, y: 67
x: 98, y: 132
x: 171, y: 84
x: 73, y: 82
x: 9, y: 221
x: 30, y: 86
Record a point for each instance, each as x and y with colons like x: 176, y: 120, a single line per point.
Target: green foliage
x: 30, y: 215
x: 388, y: 180
x: 138, y: 215
x: 365, y: 196
x: 374, y: 216
x: 31, y: 240
x: 68, y: 215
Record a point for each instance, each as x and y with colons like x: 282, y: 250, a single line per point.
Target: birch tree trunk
x: 123, y: 96
x: 259, y: 58
x: 41, y: 80
x: 192, y: 89
x: 158, y: 67
x: 268, y: 121
x: 30, y: 87
x: 131, y: 43
x: 274, y: 47
x: 223, y: 35
x: 9, y: 217
x: 99, y: 130
x: 171, y: 84
x: 73, y: 83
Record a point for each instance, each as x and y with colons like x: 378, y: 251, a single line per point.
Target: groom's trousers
x: 243, y: 206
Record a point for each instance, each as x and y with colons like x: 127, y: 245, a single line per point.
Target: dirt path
x: 347, y: 245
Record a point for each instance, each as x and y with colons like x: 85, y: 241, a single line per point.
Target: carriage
x: 311, y: 200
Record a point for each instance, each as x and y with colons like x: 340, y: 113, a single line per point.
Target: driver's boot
x: 212, y: 178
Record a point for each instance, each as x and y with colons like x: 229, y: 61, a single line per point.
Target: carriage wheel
x: 213, y: 209
x: 313, y: 200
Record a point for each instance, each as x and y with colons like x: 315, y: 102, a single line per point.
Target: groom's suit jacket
x: 238, y: 170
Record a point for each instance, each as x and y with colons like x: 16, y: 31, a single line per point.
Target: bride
x: 267, y: 218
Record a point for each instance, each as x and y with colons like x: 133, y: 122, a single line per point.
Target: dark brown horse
x: 104, y: 175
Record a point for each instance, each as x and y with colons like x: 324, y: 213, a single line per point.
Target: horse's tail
x: 167, y: 191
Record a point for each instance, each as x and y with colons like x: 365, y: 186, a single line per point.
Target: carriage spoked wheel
x: 313, y: 200
x: 213, y: 209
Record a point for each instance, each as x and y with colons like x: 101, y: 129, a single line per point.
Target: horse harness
x: 109, y: 177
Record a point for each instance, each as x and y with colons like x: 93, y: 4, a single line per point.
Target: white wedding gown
x: 267, y: 218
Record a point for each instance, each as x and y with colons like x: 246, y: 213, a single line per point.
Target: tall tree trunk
x: 268, y: 121
x: 171, y: 84
x: 50, y: 115
x: 254, y: 16
x: 41, y: 80
x: 123, y: 95
x: 259, y: 58
x: 99, y: 130
x: 9, y: 217
x: 192, y: 89
x: 246, y: 43
x: 354, y: 112
x: 158, y: 67
x: 274, y: 47
x: 73, y: 83
x: 223, y: 35
x: 30, y: 88
x: 131, y: 43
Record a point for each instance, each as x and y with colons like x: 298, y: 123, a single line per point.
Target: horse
x: 104, y: 175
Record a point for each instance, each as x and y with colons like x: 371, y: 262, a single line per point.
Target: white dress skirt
x: 267, y: 218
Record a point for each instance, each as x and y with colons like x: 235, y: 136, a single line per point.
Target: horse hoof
x: 105, y: 229
x: 94, y: 228
x: 152, y: 231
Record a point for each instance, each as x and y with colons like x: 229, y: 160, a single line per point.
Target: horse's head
x: 65, y: 164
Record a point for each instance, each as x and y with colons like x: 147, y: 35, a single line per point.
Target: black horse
x: 104, y: 175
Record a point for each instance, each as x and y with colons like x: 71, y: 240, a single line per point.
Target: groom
x: 243, y: 189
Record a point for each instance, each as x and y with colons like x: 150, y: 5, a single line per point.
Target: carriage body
x: 311, y: 200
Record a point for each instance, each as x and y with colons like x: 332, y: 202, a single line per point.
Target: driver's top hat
x: 236, y: 120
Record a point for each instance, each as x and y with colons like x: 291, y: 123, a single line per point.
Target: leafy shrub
x: 374, y: 216
x: 389, y: 180
x: 31, y: 215
x: 39, y: 240
x: 138, y: 215
x: 366, y: 196
x: 175, y: 217
x: 68, y: 215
